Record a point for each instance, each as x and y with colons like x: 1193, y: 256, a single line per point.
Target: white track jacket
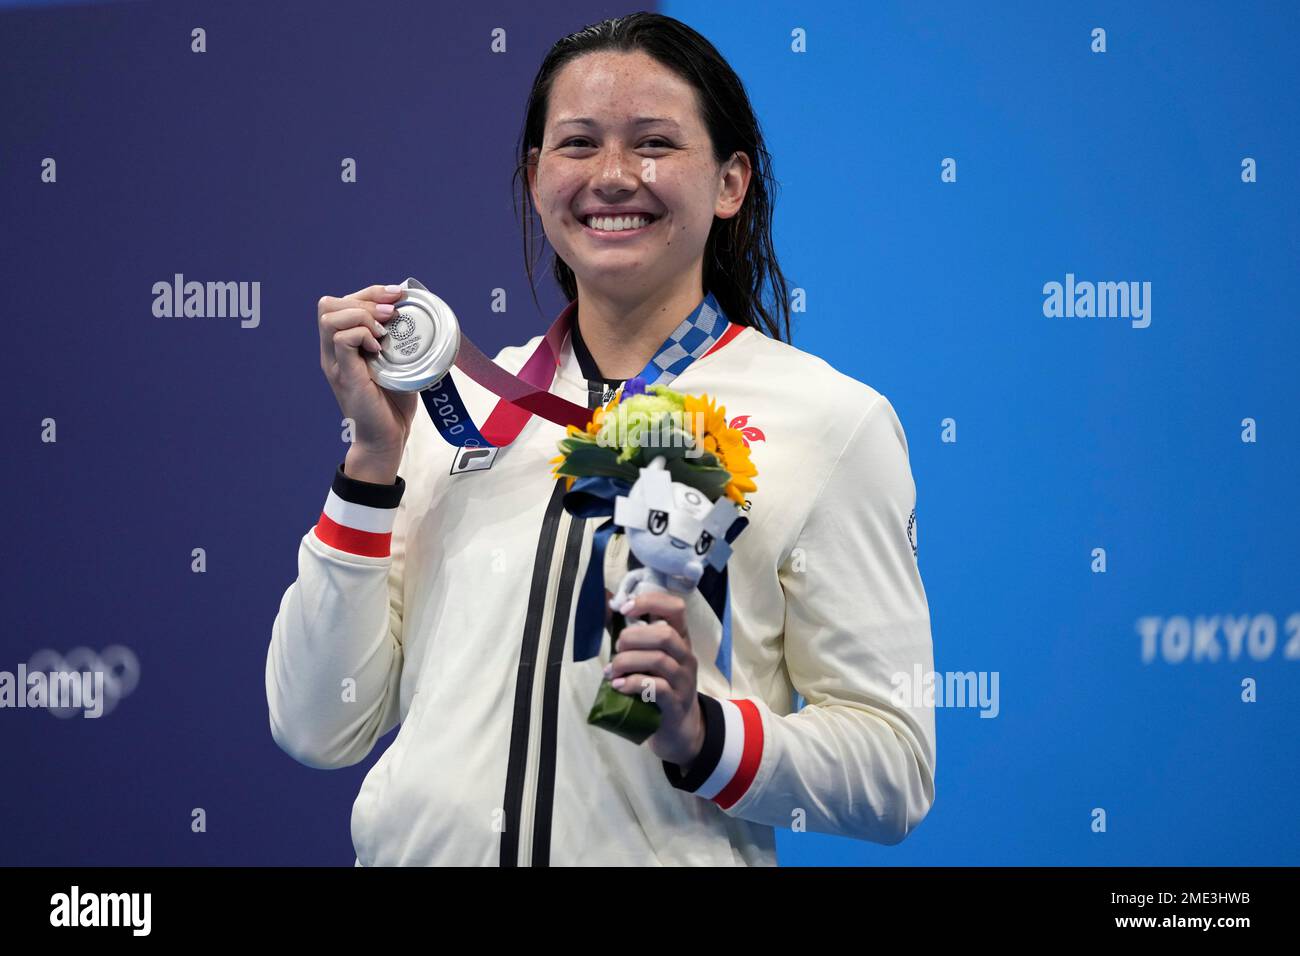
x: 445, y: 603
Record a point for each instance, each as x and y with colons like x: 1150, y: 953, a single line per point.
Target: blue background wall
x: 1072, y: 433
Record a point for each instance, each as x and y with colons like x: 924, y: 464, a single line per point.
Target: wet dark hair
x: 739, y: 258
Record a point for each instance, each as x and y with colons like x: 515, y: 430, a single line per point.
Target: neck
x: 623, y: 332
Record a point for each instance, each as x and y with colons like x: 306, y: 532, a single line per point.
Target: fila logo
x: 471, y: 458
x: 748, y: 432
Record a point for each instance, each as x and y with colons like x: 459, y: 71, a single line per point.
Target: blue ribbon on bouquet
x: 593, y: 497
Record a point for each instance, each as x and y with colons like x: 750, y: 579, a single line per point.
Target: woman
x: 438, y: 589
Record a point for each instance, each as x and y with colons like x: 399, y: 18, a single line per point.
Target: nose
x: 618, y: 173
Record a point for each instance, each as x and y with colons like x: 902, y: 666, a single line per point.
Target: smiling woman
x: 643, y: 158
x: 455, y: 602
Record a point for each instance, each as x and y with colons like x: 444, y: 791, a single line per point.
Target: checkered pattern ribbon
x: 689, y: 341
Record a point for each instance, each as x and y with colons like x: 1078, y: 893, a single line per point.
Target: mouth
x: 607, y: 228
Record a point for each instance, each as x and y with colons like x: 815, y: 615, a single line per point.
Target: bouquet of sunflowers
x: 664, y: 468
x: 640, y: 423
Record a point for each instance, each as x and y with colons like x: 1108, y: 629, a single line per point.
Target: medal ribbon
x: 520, y: 397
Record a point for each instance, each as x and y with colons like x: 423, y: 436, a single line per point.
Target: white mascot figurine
x: 674, y: 531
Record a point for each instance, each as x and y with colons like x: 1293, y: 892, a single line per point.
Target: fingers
x: 363, y: 332
x: 654, y: 690
x: 347, y: 318
x: 374, y: 304
x: 657, y: 636
x: 349, y: 340
x: 654, y: 661
x: 661, y: 604
x: 379, y: 293
x: 645, y: 663
x: 378, y: 307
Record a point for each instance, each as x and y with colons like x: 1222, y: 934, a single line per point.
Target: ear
x: 733, y: 185
x: 655, y: 488
x: 625, y: 515
x: 531, y: 174
x: 720, y: 522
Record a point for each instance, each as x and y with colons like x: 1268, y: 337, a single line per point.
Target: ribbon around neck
x: 522, y: 396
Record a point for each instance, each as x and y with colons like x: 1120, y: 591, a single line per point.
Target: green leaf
x: 591, y: 460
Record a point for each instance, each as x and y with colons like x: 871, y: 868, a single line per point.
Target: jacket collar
x: 586, y: 362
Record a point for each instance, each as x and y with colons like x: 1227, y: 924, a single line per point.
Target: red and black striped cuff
x: 728, y: 761
x: 359, y: 515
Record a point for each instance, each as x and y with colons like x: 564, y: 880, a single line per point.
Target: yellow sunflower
x: 709, y: 426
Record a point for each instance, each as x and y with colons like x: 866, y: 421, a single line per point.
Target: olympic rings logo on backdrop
x: 79, y: 682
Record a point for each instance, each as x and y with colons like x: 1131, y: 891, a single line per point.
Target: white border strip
x: 733, y: 747
x: 359, y: 517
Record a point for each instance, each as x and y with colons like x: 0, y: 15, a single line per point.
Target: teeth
x: 617, y: 223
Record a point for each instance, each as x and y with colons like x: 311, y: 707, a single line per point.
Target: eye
x: 583, y: 142
x: 706, y: 541
x: 658, y: 521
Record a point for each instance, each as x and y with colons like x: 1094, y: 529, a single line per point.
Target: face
x: 624, y: 138
x: 675, y: 542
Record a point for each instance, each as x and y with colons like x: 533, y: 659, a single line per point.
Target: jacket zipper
x: 530, y: 773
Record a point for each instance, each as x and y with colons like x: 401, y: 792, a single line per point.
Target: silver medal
x: 420, y: 346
